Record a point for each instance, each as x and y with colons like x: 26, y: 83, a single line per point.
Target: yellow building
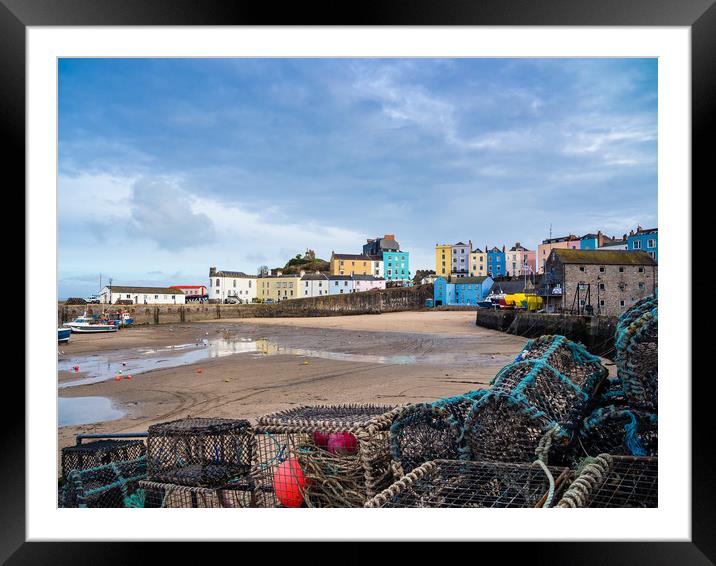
x: 278, y: 287
x: 443, y: 259
x: 478, y: 263
x: 352, y: 264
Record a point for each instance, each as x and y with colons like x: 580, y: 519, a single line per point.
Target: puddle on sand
x: 95, y: 368
x: 86, y: 410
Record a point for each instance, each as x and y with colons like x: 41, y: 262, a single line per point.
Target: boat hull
x: 94, y: 328
x: 63, y: 335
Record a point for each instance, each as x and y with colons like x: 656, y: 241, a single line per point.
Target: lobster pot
x: 614, y: 481
x: 556, y: 376
x: 570, y: 359
x: 612, y: 393
x: 620, y: 431
x: 637, y: 347
x: 424, y: 432
x: 323, y: 456
x: 504, y: 428
x: 199, y: 452
x: 157, y: 495
x: 109, y: 485
x: 431, y: 431
x: 455, y: 483
x: 96, y: 453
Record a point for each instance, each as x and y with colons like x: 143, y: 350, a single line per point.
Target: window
x: 217, y: 283
x: 601, y: 269
x: 641, y: 285
x: 641, y: 270
x: 601, y: 303
x: 581, y: 268
x: 249, y: 283
x: 129, y: 296
x: 621, y: 303
x: 217, y: 291
x: 651, y: 243
x: 636, y: 245
x: 234, y: 282
x: 601, y: 286
x: 621, y: 270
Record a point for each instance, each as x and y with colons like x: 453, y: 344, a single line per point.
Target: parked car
x: 92, y: 299
x: 232, y: 301
x: 268, y: 301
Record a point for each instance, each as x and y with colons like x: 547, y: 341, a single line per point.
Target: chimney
x: 503, y: 248
x: 212, y: 271
x: 389, y: 237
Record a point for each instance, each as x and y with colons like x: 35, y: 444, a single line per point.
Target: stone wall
x: 595, y: 332
x: 371, y: 302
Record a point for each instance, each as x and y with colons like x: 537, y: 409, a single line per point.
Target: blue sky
x: 170, y: 166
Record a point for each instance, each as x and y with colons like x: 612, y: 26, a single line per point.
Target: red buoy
x: 289, y: 483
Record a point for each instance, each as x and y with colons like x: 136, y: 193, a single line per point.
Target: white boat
x: 88, y: 325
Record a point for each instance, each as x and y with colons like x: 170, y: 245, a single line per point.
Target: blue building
x: 496, y: 261
x: 589, y: 242
x: 396, y: 264
x: 645, y: 240
x: 461, y: 290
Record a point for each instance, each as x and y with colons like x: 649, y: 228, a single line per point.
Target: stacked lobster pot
x: 199, y: 462
x: 431, y: 431
x: 625, y: 420
x: 457, y: 483
x: 536, y: 404
x: 614, y: 481
x: 323, y: 456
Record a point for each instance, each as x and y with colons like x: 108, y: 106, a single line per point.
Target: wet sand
x: 394, y: 358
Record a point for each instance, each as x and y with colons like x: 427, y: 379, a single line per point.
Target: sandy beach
x: 249, y: 367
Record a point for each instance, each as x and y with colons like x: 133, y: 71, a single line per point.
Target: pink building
x: 570, y: 242
x: 367, y: 282
x: 519, y: 260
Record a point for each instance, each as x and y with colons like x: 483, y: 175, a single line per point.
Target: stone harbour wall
x: 595, y: 332
x: 370, y: 302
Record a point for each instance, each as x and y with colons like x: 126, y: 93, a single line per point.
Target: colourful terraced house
x: 646, y: 240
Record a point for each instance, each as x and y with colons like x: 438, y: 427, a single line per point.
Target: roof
x: 509, y: 287
x: 148, y: 290
x: 466, y: 280
x: 589, y: 237
x: 460, y: 244
x: 519, y: 248
x: 389, y: 244
x: 604, y: 257
x: 367, y: 278
x: 362, y: 257
x: 314, y: 277
x: 237, y: 274
x: 560, y: 239
x: 640, y: 231
x: 477, y: 251
x: 187, y: 287
x: 339, y: 277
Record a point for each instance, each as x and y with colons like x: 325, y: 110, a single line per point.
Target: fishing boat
x: 85, y: 324
x: 63, y: 335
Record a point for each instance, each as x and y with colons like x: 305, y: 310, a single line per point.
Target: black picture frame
x: 699, y: 15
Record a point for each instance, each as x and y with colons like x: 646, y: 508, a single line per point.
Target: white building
x: 142, y: 295
x: 235, y: 284
x: 461, y: 259
x: 313, y: 285
x: 377, y: 266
